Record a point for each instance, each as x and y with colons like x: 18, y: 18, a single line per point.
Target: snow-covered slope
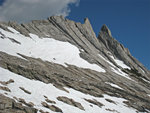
x: 40, y: 89
x: 45, y: 48
x: 57, y: 65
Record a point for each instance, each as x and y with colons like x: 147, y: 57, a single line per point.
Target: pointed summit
x: 86, y: 21
x: 106, y: 30
x: 89, y: 28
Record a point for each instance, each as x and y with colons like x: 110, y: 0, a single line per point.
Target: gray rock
x: 70, y: 102
x: 119, y: 51
x: 8, y: 105
x: 51, y: 107
x: 5, y: 88
x: 95, y: 102
x: 26, y: 91
x: 85, y: 80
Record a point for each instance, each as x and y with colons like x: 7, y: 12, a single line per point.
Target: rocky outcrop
x: 111, y: 101
x: 70, y: 102
x: 119, y: 51
x: 134, y: 88
x: 8, y: 105
x: 30, y: 104
x: 5, y: 88
x: 26, y: 91
x: 52, y: 107
x: 84, y: 80
x: 7, y: 82
x: 50, y: 101
x: 95, y: 102
x: 83, y: 36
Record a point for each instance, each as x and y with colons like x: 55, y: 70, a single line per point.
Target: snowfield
x: 120, y: 63
x: 45, y: 48
x: 39, y: 90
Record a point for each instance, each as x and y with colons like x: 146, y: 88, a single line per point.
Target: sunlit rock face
x: 58, y: 65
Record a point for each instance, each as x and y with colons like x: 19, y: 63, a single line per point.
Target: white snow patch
x: 148, y: 111
x: 116, y: 69
x: 114, y: 85
x: 102, y: 57
x: 146, y: 80
x: 39, y: 89
x: 120, y: 63
x: 142, y: 70
x: 13, y: 30
x: 45, y: 48
x: 119, y: 72
x: 82, y: 50
x: 106, y: 60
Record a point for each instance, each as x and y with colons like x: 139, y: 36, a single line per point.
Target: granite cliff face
x: 58, y: 65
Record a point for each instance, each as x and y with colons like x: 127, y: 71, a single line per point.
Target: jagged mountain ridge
x: 101, y: 66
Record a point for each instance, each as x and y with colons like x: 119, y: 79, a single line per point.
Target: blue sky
x: 128, y: 20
